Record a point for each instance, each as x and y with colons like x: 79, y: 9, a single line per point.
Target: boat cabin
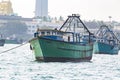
x: 106, y: 35
x: 59, y: 35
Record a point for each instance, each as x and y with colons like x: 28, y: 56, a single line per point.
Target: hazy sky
x: 88, y: 9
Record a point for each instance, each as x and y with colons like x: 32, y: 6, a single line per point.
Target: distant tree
x: 55, y: 18
x: 14, y: 27
x: 49, y: 19
x: 61, y: 18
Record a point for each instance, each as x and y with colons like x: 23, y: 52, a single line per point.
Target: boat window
x: 42, y: 33
x: 54, y: 33
x: 68, y: 38
x: 111, y: 42
x: 101, y: 40
x: 48, y: 33
x: 51, y: 33
x: 59, y: 33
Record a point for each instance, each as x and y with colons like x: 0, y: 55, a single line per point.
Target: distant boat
x: 63, y: 45
x: 106, y: 41
x: 2, y: 41
x: 13, y: 41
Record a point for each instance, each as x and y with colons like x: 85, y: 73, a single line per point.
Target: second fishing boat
x: 106, y: 41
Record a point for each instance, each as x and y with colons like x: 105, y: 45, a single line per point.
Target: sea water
x: 20, y: 64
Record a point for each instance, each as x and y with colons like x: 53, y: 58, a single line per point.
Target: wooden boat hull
x: 49, y: 50
x: 102, y: 48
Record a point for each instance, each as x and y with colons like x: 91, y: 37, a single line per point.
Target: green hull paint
x: 47, y: 48
x: 102, y: 48
x: 36, y: 48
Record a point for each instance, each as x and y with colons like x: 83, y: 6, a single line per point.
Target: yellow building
x: 6, y: 7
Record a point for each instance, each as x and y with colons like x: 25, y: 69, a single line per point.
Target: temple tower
x: 6, y: 7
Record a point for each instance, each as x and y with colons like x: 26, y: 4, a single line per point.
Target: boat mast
x: 74, y: 18
x: 103, y: 29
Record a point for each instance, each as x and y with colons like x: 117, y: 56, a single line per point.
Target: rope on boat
x: 13, y: 48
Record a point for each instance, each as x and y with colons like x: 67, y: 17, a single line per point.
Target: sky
x: 88, y: 9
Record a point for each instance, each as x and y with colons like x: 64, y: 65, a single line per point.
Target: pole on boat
x: 77, y: 18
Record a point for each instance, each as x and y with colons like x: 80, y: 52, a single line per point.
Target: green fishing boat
x: 65, y: 44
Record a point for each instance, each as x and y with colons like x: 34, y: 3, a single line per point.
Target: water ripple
x: 20, y: 64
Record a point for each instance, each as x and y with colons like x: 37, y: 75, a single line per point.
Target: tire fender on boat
x: 31, y: 48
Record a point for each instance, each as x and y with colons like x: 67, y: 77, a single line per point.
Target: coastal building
x: 116, y: 29
x: 41, y: 8
x: 36, y: 23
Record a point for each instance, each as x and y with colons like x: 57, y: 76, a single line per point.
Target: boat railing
x: 61, y: 36
x: 107, y: 41
x: 47, y: 32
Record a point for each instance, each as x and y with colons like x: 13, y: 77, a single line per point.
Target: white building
x: 35, y: 24
x: 41, y: 8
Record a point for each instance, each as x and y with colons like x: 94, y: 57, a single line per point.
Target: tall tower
x: 41, y: 8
